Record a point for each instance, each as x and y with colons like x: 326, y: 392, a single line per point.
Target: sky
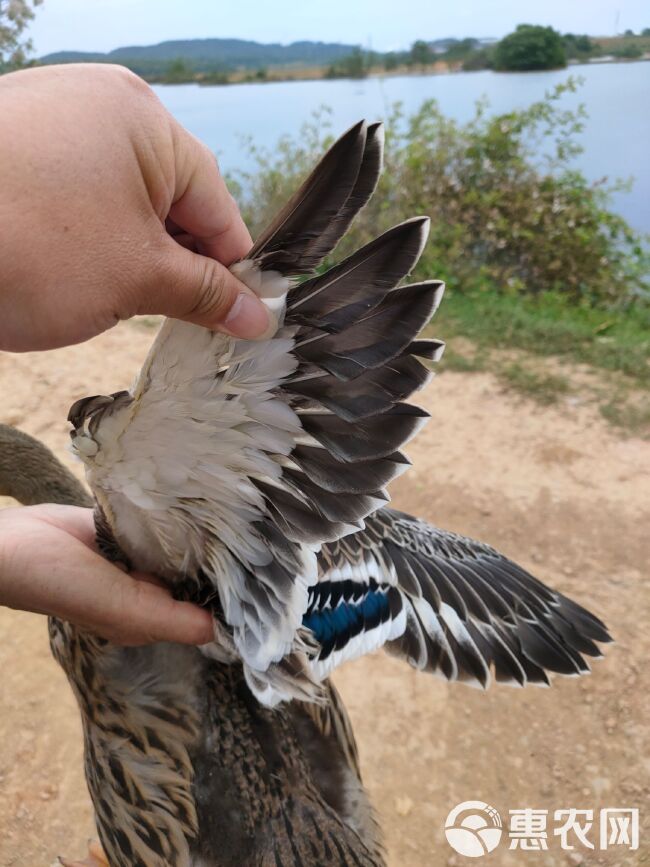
x: 100, y: 25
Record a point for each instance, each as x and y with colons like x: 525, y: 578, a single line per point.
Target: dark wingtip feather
x: 306, y: 229
x: 369, y: 172
x: 432, y: 350
x: 520, y: 627
x: 353, y: 327
x: 334, y: 300
x: 376, y: 337
x: 589, y: 625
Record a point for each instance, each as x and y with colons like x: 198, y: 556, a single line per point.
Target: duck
x: 251, y: 477
x: 297, y: 762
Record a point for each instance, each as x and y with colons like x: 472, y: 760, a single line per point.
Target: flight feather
x: 252, y: 475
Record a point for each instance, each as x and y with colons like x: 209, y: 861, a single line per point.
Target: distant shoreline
x: 320, y: 74
x: 218, y: 62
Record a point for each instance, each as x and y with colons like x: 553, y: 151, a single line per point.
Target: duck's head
x: 94, y: 421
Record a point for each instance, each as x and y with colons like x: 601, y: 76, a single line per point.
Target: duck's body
x: 185, y: 767
x: 250, y: 476
x: 208, y: 775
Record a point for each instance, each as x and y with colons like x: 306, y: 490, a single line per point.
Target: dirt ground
x: 554, y: 488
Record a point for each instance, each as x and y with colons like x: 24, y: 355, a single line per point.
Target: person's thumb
x: 201, y: 290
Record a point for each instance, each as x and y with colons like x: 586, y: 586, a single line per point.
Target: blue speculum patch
x: 348, y: 618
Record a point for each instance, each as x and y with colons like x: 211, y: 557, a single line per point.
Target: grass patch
x: 544, y: 388
x: 625, y: 413
x: 479, y: 325
x: 459, y: 362
x: 613, y: 340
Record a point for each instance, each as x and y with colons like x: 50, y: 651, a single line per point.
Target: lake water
x: 616, y: 138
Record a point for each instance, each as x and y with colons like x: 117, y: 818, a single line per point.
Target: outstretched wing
x: 255, y: 472
x: 239, y: 458
x: 447, y: 604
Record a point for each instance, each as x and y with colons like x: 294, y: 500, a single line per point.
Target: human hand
x: 96, y: 178
x: 49, y: 564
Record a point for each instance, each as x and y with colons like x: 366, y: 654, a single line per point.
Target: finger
x: 200, y: 290
x: 202, y: 204
x: 75, y: 520
x: 82, y: 587
x: 145, y: 612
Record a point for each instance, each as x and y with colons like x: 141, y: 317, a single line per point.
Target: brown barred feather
x: 168, y: 763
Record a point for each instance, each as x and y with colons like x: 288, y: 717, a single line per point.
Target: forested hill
x: 211, y: 55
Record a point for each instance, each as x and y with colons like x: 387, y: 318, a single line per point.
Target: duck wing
x: 233, y: 465
x: 445, y: 603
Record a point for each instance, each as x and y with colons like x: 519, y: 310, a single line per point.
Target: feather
x: 333, y: 475
x: 363, y: 440
x: 254, y: 472
x: 313, y: 220
x: 334, y: 299
x: 371, y: 394
x: 378, y: 336
x: 468, y: 609
x: 330, y: 504
x: 430, y: 349
x: 369, y: 172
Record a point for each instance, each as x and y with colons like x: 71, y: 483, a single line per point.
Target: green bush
x: 421, y: 53
x: 503, y: 218
x: 178, y: 72
x: 530, y: 47
x: 353, y: 66
x: 628, y: 52
x: 578, y: 46
x: 478, y: 60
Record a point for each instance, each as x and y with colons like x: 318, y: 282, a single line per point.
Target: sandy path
x: 555, y: 489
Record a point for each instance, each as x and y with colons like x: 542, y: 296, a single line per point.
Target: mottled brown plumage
x: 182, y: 776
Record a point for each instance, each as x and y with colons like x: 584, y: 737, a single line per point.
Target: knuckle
x: 129, y: 78
x: 134, y: 86
x: 207, y: 153
x: 214, y: 297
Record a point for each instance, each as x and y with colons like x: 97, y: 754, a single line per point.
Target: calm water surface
x: 616, y: 138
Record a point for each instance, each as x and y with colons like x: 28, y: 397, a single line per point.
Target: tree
x: 461, y: 49
x: 530, y: 47
x: 421, y: 52
x: 478, y: 60
x: 352, y: 66
x: 577, y: 45
x: 628, y: 52
x: 390, y: 61
x: 178, y: 71
x: 15, y: 15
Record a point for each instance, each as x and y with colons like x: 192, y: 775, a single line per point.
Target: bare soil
x: 554, y: 488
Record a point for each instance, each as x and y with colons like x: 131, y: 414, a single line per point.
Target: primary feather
x: 251, y: 475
